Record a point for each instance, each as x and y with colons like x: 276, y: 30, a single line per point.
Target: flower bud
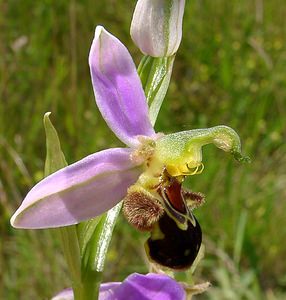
x: 156, y: 26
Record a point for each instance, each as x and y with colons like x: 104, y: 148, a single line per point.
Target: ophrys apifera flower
x: 153, y: 165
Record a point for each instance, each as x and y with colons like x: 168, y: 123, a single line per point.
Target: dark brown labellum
x: 173, y: 247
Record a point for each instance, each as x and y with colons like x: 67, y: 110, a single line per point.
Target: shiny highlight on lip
x: 175, y: 248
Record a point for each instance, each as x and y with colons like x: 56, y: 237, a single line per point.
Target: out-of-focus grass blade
x: 239, y: 237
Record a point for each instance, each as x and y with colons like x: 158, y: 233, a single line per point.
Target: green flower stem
x: 155, y: 74
x: 69, y: 241
x: 55, y: 160
x: 91, y: 285
x: 95, y: 252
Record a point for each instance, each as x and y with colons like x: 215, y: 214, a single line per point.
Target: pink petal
x: 66, y: 294
x: 117, y: 88
x: 78, y: 192
x: 136, y: 287
x: 148, y: 287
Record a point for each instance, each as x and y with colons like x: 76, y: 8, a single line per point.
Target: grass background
x: 230, y: 69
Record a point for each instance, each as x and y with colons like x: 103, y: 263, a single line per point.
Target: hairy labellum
x: 141, y: 209
x: 193, y: 200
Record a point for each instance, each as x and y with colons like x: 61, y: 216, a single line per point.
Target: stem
x: 95, y: 253
x: 90, y: 285
x: 71, y: 251
x: 155, y: 74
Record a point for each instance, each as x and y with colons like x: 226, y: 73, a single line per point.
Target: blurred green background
x: 230, y: 69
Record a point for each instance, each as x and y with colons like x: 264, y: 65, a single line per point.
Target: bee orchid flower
x: 96, y: 183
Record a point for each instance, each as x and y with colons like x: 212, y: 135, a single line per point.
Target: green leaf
x: 85, y: 231
x: 95, y: 254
